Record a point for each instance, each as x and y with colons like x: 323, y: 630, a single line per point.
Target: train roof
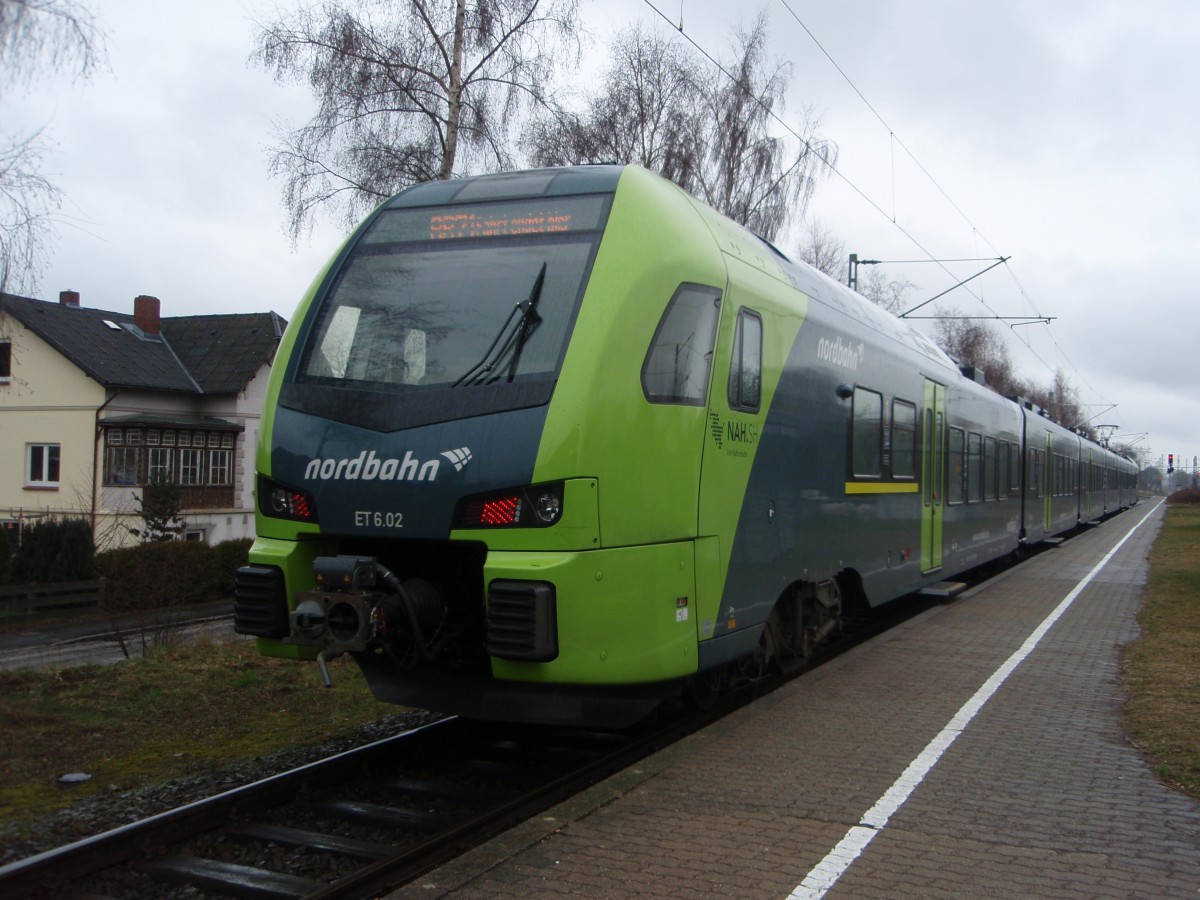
x: 557, y: 182
x: 593, y: 179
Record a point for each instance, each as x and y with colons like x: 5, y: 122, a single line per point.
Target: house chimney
x: 68, y: 298
x: 145, y: 313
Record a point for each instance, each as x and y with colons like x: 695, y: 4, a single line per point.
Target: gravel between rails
x: 113, y: 809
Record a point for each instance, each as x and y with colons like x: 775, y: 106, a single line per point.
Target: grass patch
x: 172, y: 713
x: 1162, y: 667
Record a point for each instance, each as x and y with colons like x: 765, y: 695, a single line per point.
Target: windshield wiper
x: 527, y: 318
x: 529, y: 321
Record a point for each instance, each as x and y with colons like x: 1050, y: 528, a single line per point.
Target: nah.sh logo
x: 367, y: 466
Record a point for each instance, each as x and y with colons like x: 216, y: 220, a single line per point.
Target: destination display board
x: 509, y: 218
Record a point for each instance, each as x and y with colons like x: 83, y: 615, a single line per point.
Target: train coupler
x: 359, y: 605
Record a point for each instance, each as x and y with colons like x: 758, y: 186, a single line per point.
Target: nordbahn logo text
x: 368, y: 466
x: 841, y: 353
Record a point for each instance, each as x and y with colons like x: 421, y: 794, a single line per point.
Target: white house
x: 94, y: 404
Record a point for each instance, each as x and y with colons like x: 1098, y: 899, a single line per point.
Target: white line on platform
x: 825, y: 874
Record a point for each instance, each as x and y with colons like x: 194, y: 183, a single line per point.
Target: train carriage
x: 547, y: 445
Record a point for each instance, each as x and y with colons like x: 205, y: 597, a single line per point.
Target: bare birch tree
x: 37, y: 37
x: 648, y: 111
x: 973, y: 343
x: 407, y: 92
x: 751, y: 173
x: 821, y: 249
x: 889, y: 293
x: 714, y: 132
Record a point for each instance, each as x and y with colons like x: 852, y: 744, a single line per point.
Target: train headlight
x: 534, y: 506
x: 280, y: 501
x: 548, y: 506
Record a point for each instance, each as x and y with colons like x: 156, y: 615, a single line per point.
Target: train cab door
x: 933, y: 467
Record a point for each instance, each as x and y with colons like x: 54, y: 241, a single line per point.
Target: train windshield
x: 457, y: 297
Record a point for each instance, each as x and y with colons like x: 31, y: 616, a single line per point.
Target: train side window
x: 1002, y: 470
x: 677, y: 364
x: 904, y: 439
x: 867, y: 434
x: 956, y: 472
x: 989, y: 469
x: 974, y: 467
x: 745, y: 365
x: 1014, y: 469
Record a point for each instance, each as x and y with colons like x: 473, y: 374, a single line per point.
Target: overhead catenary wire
x: 894, y: 140
x: 833, y: 169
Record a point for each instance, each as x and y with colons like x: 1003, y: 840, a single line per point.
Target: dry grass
x: 1162, y: 667
x: 175, y: 712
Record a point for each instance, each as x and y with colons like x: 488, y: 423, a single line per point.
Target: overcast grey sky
x: 1064, y: 134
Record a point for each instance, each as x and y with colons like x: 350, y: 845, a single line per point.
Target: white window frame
x: 159, y: 464
x: 47, y: 458
x: 191, y: 467
x: 220, y: 467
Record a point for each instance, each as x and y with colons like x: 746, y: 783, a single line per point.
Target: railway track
x: 349, y: 826
x: 374, y: 818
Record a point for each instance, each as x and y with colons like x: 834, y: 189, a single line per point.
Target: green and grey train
x: 547, y: 446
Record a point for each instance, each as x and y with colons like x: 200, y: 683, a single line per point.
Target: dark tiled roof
x: 194, y: 354
x: 223, y: 352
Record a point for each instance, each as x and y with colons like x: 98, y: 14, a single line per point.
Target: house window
x: 218, y: 467
x: 116, y: 437
x: 123, y: 465
x: 227, y: 440
x: 41, y: 465
x: 158, y: 464
x: 185, y: 439
x: 191, y: 466
x: 153, y: 437
x: 168, y: 439
x: 5, y: 361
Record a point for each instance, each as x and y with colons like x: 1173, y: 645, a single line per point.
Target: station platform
x: 975, y: 751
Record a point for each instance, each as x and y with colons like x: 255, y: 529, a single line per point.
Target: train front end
x: 429, y: 493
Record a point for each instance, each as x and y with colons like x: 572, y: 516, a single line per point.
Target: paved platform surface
x: 814, y: 791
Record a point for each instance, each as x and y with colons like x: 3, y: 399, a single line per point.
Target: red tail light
x: 279, y: 501
x: 535, y: 506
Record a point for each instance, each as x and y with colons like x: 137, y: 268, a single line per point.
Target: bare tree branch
x: 709, y: 131
x: 407, y: 92
x: 36, y: 37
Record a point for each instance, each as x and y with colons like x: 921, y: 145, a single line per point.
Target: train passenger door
x: 933, y: 466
